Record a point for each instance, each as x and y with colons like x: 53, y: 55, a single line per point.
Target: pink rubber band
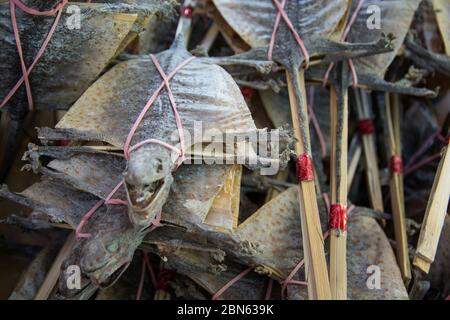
x: 151, y: 101
x: 150, y: 269
x: 141, y: 280
x: 344, y: 37
x: 422, y: 149
x: 282, y: 14
x: 26, y: 71
x: 422, y: 163
x: 269, y: 289
x: 288, y: 281
x: 230, y: 283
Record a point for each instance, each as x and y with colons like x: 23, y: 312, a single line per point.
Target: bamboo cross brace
x: 364, y: 111
x: 396, y: 188
x: 210, y: 37
x: 338, y: 183
x: 53, y: 274
x: 435, y: 213
x: 313, y: 243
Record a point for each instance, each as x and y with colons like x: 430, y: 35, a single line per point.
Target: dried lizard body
x: 204, y: 94
x: 394, y: 19
x: 272, y: 229
x: 71, y: 185
x: 73, y: 58
x: 365, y: 238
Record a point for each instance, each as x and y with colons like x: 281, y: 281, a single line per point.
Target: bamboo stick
x: 53, y: 274
x: 339, y: 188
x: 313, y: 243
x: 396, y: 190
x: 435, y: 213
x: 370, y: 155
x: 210, y: 37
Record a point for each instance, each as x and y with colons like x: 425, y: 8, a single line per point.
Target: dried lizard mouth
x: 151, y: 200
x: 142, y: 197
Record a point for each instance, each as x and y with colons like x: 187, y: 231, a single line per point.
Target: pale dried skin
x: 367, y: 245
x: 275, y: 229
x: 277, y: 219
x: 373, y: 81
x: 193, y: 193
x: 442, y: 9
x: 73, y: 58
x: 224, y: 211
x: 113, y: 239
x: 396, y: 17
x: 253, y: 20
x: 204, y: 92
x: 211, y: 275
x: 60, y: 203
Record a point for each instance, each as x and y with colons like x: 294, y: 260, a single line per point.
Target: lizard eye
x: 113, y: 247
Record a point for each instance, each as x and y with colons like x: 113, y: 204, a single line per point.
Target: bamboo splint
x: 53, y: 274
x: 313, y: 243
x: 338, y: 188
x: 434, y: 215
x: 396, y: 187
x: 370, y: 154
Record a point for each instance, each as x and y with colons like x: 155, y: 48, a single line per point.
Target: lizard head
x: 148, y: 177
x: 107, y: 253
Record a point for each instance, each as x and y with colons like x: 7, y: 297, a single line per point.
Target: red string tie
x: 396, y: 164
x: 338, y: 217
x: 305, y: 168
x: 247, y: 92
x: 58, y: 9
x: 186, y: 11
x: 366, y: 126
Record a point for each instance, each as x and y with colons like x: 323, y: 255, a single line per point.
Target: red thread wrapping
x: 305, y: 168
x: 338, y: 217
x: 186, y: 11
x: 366, y: 126
x: 396, y: 164
x: 247, y: 92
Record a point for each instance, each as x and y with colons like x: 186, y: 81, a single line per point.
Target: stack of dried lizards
x: 240, y: 149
